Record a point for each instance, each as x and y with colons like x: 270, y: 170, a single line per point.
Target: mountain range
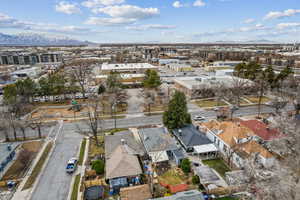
x: 33, y: 39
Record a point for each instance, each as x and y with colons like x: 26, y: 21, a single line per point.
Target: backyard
x: 172, y: 177
x: 218, y: 165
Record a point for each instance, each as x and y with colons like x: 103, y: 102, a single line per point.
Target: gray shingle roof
x: 113, y: 141
x: 157, y: 139
x: 190, y: 136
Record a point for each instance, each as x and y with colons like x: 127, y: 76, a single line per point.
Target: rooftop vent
x: 123, y: 141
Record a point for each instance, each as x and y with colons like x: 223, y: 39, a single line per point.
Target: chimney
x: 123, y: 141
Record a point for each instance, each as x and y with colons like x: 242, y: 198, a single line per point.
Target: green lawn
x: 209, y: 103
x: 82, y: 151
x: 218, y: 165
x: 75, y: 187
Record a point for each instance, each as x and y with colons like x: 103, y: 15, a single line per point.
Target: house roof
x: 178, y: 188
x: 140, y: 192
x: 261, y: 129
x: 157, y: 139
x: 122, y: 163
x: 187, y: 195
x: 190, y: 136
x: 113, y: 141
x: 251, y: 147
x: 229, y: 131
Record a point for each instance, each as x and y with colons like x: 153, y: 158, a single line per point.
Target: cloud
x: 9, y: 22
x: 177, y: 4
x: 67, y: 8
x: 101, y: 3
x: 288, y: 25
x: 249, y: 21
x: 282, y: 14
x: 257, y: 27
x: 109, y: 21
x: 128, y: 11
x: 199, y: 3
x: 151, y: 26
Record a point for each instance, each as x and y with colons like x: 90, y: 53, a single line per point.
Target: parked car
x: 71, y: 165
x: 199, y: 118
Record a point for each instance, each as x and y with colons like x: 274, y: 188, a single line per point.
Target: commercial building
x: 203, y: 86
x: 129, y: 68
x: 16, y: 58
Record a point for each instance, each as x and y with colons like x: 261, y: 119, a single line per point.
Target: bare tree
x: 94, y: 117
x: 238, y: 89
x: 149, y: 97
x: 4, y: 127
x: 80, y: 70
x: 282, y: 179
x: 24, y: 157
x: 36, y: 123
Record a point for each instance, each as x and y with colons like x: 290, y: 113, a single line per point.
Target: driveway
x: 55, y: 182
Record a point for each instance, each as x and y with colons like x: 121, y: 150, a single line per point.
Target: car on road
x: 71, y: 165
x: 199, y: 118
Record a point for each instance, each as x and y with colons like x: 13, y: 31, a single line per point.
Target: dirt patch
x: 18, y: 168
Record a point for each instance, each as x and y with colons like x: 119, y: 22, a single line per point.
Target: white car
x: 199, y: 118
x: 71, y: 165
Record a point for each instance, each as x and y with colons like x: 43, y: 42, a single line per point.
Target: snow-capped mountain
x: 33, y: 39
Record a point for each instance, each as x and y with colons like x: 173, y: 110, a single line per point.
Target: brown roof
x: 140, y: 192
x: 253, y: 147
x: 122, y: 163
x: 230, y: 131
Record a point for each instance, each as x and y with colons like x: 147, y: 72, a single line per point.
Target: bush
x: 185, y: 165
x: 195, y: 180
x: 98, y: 166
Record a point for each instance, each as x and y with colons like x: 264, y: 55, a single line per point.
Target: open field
x: 209, y: 103
x: 254, y: 99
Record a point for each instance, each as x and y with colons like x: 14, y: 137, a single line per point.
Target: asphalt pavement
x: 54, y: 182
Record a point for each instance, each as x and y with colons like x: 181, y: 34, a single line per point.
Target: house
x: 158, y: 143
x: 263, y: 131
x: 236, y: 143
x: 187, y: 195
x: 195, y: 142
x: 122, y: 164
x: 113, y: 141
x: 140, y: 192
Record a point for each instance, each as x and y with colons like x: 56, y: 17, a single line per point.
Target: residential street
x: 55, y: 182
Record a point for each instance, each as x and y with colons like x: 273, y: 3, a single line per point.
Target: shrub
x: 185, y: 165
x: 195, y: 180
x: 98, y: 166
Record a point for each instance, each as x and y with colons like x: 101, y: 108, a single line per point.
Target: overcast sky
x: 155, y: 20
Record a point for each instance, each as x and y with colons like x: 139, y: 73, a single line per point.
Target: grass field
x: 209, y: 103
x: 218, y: 165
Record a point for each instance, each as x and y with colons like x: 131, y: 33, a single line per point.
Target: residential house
x: 236, y: 143
x: 262, y: 130
x: 195, y: 142
x: 122, y: 164
x: 158, y: 143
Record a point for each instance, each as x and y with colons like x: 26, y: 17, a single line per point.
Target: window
x: 224, y: 148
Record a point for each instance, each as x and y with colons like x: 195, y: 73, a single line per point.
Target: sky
x: 130, y: 21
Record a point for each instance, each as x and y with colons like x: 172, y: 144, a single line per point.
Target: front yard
x: 218, y: 165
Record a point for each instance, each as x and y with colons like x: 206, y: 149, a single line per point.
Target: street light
x: 114, y: 111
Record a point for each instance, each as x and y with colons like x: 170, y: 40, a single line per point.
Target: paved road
x: 55, y: 182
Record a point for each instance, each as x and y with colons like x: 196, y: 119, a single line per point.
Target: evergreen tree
x: 177, y: 114
x: 152, y: 79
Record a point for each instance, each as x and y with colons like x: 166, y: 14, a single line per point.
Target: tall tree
x: 152, y: 79
x: 177, y: 114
